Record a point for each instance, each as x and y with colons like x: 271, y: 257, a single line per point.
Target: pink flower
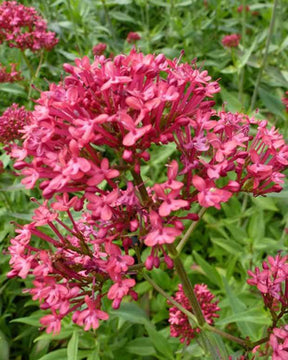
x: 10, y: 76
x: 269, y: 280
x: 279, y: 343
x: 160, y: 234
x: 119, y: 290
x: 12, y: 123
x: 99, y: 49
x: 23, y: 28
x: 209, y: 194
x: 52, y: 323
x: 231, y: 40
x: 90, y: 317
x: 132, y: 37
x: 170, y: 202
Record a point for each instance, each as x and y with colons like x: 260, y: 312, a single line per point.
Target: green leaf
x: 13, y: 89
x: 245, y: 57
x: 210, y: 271
x: 4, y: 346
x: 141, y: 346
x: 72, y: 347
x: 39, y: 349
x: 229, y: 70
x: 231, y: 101
x: 253, y: 316
x: 209, y: 345
x: 32, y: 320
x: 160, y: 343
x: 68, y: 55
x: 161, y: 277
x: 121, y: 16
x: 272, y: 103
x: 60, y: 354
x: 131, y: 312
x: 256, y: 227
x: 64, y: 334
x: 229, y: 245
x: 265, y: 203
x: 237, y: 306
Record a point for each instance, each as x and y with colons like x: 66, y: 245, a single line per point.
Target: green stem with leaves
x: 243, y: 38
x: 264, y: 61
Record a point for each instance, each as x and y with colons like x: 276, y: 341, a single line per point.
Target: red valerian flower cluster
x: 231, y: 40
x: 12, y: 123
x: 85, y: 145
x: 132, y: 37
x: 179, y: 322
x: 279, y: 343
x: 99, y: 49
x: 9, y: 75
x: 21, y: 27
x: 272, y: 282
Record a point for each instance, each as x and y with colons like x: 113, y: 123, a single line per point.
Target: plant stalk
x: 191, y: 228
x: 187, y: 286
x: 268, y: 40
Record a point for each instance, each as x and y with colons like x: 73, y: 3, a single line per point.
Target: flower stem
x: 243, y: 36
x: 31, y: 70
x: 138, y: 181
x: 268, y: 40
x: 243, y: 342
x: 191, y: 228
x: 170, y: 299
x: 187, y: 286
x: 240, y: 341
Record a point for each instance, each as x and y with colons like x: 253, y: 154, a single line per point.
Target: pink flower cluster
x: 231, y: 40
x: 272, y: 282
x: 9, y: 75
x: 99, y: 49
x: 12, y: 123
x: 132, y: 37
x: 279, y: 343
x: 87, y: 140
x: 71, y: 276
x: 21, y: 27
x: 179, y: 322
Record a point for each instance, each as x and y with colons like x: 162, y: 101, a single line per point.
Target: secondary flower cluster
x: 99, y: 49
x: 9, y: 75
x: 231, y: 40
x: 279, y: 343
x: 179, y: 322
x: 132, y: 37
x: 12, y: 123
x: 272, y: 282
x: 21, y: 27
x: 88, y: 139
